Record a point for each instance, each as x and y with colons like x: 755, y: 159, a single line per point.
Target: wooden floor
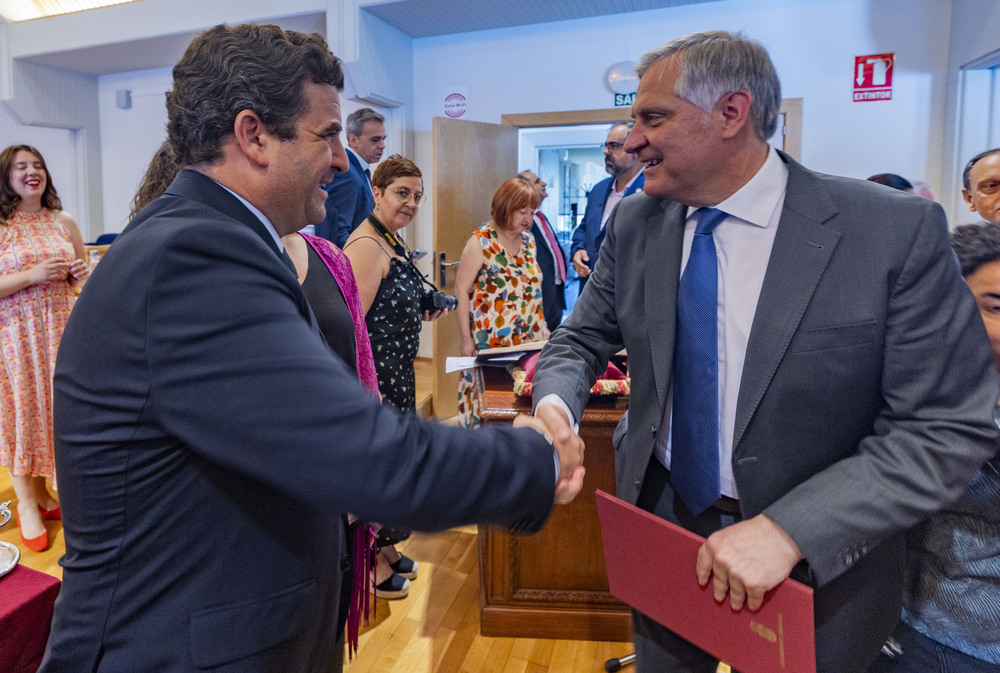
x: 436, y: 628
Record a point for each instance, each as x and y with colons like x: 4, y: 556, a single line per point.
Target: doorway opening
x: 570, y: 159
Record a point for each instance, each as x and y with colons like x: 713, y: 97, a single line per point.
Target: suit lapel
x: 803, y: 246
x: 362, y: 178
x: 636, y: 185
x: 546, y: 244
x: 661, y: 267
x: 598, y: 233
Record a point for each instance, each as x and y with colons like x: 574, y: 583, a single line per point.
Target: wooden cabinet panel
x: 552, y: 584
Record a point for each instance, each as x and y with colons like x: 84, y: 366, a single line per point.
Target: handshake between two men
x: 553, y: 424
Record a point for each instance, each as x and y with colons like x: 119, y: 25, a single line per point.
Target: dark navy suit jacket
x: 589, y: 235
x: 207, y: 442
x: 349, y: 201
x: 553, y: 294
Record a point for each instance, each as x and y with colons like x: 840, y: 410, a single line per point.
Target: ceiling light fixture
x: 24, y: 10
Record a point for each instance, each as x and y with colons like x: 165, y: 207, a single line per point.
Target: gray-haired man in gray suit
x: 842, y: 385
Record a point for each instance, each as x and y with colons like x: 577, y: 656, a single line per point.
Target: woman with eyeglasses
x: 390, y: 288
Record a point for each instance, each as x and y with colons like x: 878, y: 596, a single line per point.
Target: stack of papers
x: 494, y: 357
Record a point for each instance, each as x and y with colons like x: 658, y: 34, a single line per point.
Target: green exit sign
x: 624, y: 99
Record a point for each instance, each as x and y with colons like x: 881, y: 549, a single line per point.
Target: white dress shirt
x: 743, y: 243
x: 614, y: 197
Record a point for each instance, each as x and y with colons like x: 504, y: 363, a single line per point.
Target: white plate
x: 9, y: 556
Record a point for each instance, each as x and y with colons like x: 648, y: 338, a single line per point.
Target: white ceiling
x: 426, y: 18
x: 158, y: 52
x: 416, y: 18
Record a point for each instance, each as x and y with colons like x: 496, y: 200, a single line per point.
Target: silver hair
x: 628, y: 126
x: 717, y: 62
x: 357, y: 119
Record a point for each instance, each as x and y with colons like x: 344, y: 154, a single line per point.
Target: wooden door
x: 471, y: 160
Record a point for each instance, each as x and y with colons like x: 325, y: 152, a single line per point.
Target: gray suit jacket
x: 867, y: 393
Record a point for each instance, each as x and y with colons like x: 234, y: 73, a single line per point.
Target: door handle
x: 443, y: 265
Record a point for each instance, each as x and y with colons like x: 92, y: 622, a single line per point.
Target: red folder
x: 651, y: 566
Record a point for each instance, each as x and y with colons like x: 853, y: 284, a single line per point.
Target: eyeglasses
x: 611, y: 147
x: 404, y: 195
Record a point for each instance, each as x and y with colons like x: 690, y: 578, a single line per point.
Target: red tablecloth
x: 26, y: 600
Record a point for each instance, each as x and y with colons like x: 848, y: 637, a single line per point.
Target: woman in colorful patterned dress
x: 41, y: 261
x: 499, y: 285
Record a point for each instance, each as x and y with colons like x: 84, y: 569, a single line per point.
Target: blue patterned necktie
x: 694, y: 438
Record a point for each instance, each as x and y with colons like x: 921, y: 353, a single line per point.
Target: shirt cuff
x: 559, y: 403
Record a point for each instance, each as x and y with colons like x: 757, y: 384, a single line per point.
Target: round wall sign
x: 455, y: 105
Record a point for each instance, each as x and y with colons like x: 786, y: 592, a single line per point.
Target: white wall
x: 975, y: 33
x: 58, y: 149
x: 561, y: 66
x: 130, y: 137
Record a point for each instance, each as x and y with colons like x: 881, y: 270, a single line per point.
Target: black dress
x: 394, y: 329
x: 335, y: 322
x: 330, y: 308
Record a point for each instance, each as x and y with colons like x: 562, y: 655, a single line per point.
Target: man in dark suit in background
x: 350, y: 198
x: 626, y: 178
x: 815, y: 383
x: 207, y: 439
x: 550, y: 256
x: 981, y: 184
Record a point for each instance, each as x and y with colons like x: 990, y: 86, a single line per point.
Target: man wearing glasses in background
x: 626, y: 178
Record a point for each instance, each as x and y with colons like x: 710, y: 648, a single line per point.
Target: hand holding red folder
x: 650, y: 563
x: 746, y: 560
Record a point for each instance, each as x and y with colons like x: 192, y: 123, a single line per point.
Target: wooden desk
x: 552, y: 584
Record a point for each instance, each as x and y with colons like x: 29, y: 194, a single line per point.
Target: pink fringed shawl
x: 364, y: 535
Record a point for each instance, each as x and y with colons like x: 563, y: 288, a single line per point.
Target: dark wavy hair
x: 228, y: 69
x: 9, y: 199
x: 892, y: 180
x: 976, y: 245
x: 161, y: 172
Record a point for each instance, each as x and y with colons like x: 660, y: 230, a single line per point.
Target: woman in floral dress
x: 41, y: 261
x: 499, y: 285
